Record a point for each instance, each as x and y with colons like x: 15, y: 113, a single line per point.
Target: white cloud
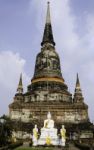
x: 11, y: 65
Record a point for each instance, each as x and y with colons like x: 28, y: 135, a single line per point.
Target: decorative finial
x: 48, y: 20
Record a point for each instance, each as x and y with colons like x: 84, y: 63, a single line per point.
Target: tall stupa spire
x: 20, y: 85
x: 48, y: 34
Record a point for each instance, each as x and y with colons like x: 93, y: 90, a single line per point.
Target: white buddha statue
x: 48, y: 123
x: 48, y: 132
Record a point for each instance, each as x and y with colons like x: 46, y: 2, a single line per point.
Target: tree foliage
x: 5, y: 130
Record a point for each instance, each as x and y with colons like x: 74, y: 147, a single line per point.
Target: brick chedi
x: 48, y: 90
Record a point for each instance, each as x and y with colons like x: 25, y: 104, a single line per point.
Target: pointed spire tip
x: 48, y: 20
x: 77, y: 74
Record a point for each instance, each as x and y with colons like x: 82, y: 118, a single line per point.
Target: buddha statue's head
x: 35, y: 125
x: 63, y: 126
x: 49, y: 115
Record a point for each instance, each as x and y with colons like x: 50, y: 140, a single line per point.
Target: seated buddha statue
x: 48, y: 132
x: 48, y: 123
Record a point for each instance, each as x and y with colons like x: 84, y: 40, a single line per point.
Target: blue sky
x: 21, y: 30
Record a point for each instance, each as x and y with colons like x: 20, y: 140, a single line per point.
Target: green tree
x: 5, y: 130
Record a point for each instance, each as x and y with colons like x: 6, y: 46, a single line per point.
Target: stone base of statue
x: 48, y: 137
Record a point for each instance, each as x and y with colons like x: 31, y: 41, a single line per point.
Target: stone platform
x: 48, y: 134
